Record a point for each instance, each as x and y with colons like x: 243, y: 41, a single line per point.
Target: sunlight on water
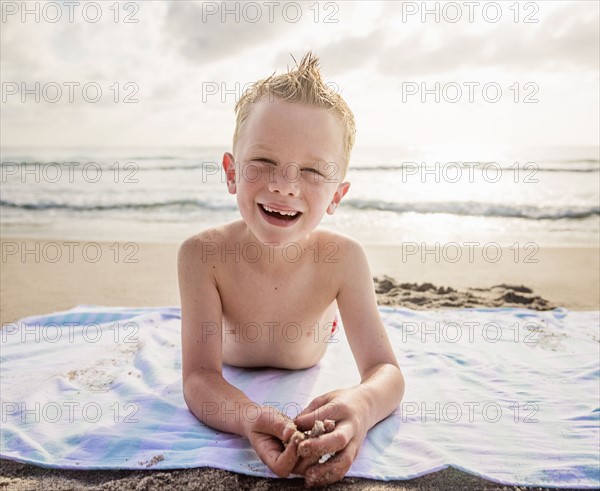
x: 433, y: 193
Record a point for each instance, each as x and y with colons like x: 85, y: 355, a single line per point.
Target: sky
x: 154, y: 73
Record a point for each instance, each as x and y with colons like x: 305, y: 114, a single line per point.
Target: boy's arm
x: 382, y: 383
x: 208, y: 395
x: 355, y: 409
x: 212, y: 399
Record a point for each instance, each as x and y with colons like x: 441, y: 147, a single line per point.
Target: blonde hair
x: 303, y: 85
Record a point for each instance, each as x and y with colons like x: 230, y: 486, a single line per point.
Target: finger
x: 288, y: 459
x: 284, y: 429
x: 314, y: 404
x: 281, y: 461
x: 331, y: 471
x: 306, y: 420
x: 272, y: 422
x: 304, y: 463
x: 327, y: 443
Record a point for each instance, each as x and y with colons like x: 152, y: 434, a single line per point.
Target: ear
x: 340, y: 192
x: 229, y: 168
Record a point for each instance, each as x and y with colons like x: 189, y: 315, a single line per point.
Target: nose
x: 284, y: 180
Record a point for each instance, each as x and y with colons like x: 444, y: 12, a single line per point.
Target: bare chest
x: 276, y: 321
x: 249, y: 295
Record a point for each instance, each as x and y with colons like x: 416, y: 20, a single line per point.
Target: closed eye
x: 264, y: 161
x: 314, y: 171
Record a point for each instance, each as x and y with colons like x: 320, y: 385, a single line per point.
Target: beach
x: 456, y: 141
x: 43, y: 276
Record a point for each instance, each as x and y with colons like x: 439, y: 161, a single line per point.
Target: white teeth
x: 287, y: 213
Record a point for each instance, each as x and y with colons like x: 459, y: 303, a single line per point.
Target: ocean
x: 547, y: 196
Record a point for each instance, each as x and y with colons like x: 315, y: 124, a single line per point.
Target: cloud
x: 351, y: 52
x: 567, y: 38
x: 173, y: 50
x: 203, y: 34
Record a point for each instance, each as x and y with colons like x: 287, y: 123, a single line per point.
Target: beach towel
x: 510, y: 395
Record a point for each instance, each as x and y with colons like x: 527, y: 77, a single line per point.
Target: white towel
x: 511, y: 395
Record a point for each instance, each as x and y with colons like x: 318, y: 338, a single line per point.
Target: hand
x: 266, y: 433
x: 348, y: 410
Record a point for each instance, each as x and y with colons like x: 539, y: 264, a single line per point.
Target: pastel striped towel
x: 511, y: 395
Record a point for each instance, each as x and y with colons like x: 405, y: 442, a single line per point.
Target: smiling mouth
x: 288, y: 215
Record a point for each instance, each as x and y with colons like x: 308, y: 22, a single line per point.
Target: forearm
x: 217, y: 403
x: 380, y: 391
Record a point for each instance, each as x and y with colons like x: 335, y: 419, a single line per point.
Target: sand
x: 43, y: 276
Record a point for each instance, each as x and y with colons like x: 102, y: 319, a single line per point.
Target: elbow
x: 400, y: 385
x: 189, y: 389
x: 397, y: 382
x: 396, y: 385
x: 193, y: 388
x: 400, y: 382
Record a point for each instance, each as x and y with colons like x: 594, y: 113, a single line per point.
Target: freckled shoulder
x: 205, y: 244
x: 344, y: 248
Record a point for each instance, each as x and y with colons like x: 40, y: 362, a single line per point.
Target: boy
x: 292, y: 145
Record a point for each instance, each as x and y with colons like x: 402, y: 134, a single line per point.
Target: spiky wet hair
x: 302, y: 85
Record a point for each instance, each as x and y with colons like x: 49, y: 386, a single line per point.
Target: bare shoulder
x: 345, y: 246
x: 203, y: 245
